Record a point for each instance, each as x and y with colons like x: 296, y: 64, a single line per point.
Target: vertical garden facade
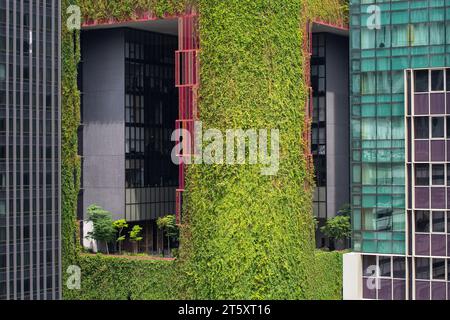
x: 243, y: 235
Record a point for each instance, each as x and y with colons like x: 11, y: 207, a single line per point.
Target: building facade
x: 330, y: 123
x: 399, y: 51
x: 129, y: 111
x: 30, y: 150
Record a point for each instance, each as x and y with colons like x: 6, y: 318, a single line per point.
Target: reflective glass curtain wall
x: 151, y: 101
x: 29, y: 149
x: 318, y: 125
x: 412, y: 34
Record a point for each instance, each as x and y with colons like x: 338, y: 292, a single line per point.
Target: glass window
x: 385, y: 266
x: 421, y: 81
x: 437, y: 33
x: 2, y: 71
x: 399, y: 268
x: 399, y: 35
x: 438, y: 178
x: 447, y: 72
x: 383, y: 82
x: 369, y: 221
x: 437, y: 80
x: 438, y: 221
x: 437, y: 127
x: 369, y: 265
x: 448, y: 223
x: 368, y: 129
x: 422, y: 221
x: 384, y: 219
x: 421, y: 127
x: 368, y: 84
x: 439, y: 269
x: 422, y: 268
x: 448, y: 175
x: 422, y: 174
x: 419, y: 34
x: 448, y: 269
x: 448, y: 127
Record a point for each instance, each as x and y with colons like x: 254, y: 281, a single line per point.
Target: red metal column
x: 187, y: 81
x: 307, y: 51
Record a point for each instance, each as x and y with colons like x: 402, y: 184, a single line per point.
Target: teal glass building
x: 394, y: 47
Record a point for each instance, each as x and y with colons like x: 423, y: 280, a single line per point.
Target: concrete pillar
x: 352, y: 276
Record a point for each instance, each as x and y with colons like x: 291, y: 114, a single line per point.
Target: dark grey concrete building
x: 129, y: 111
x: 330, y: 123
x: 30, y: 149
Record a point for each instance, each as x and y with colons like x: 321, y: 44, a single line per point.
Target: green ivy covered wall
x: 244, y: 235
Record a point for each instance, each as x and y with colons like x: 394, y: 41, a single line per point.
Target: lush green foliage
x: 119, y: 225
x: 248, y: 236
x: 112, y: 278
x: 70, y: 161
x: 327, y: 276
x: 169, y: 225
x: 103, y: 228
x: 135, y: 236
x: 244, y: 235
x: 338, y: 228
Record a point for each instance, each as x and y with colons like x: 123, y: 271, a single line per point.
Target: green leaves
x: 244, y: 236
x: 111, y: 278
x: 338, y: 228
x: 120, y: 224
x: 135, y: 233
x: 102, y: 223
x: 169, y: 225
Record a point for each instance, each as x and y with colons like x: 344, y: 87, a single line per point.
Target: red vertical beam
x: 187, y: 83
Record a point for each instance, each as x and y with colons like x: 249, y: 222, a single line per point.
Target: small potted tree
x: 169, y: 226
x: 103, y: 230
x: 135, y: 237
x: 338, y: 229
x: 119, y: 225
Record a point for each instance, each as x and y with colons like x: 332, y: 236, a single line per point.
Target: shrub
x: 338, y: 228
x: 103, y: 229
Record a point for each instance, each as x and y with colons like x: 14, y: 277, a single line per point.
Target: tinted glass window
x: 448, y: 79
x: 399, y: 268
x: 369, y: 264
x: 422, y: 268
x: 422, y: 221
x: 422, y: 175
x: 438, y: 175
x: 421, y: 127
x: 438, y: 221
x: 439, y: 269
x: 437, y: 80
x: 385, y: 266
x: 421, y: 81
x: 437, y: 127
